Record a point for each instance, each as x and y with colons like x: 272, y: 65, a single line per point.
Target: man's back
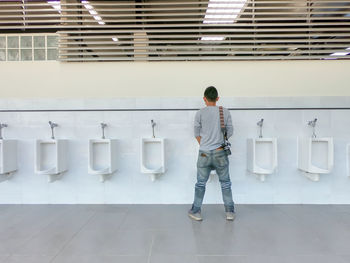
x: 211, y: 155
x: 207, y: 126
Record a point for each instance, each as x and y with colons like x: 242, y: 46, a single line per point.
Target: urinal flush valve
x: 260, y: 124
x: 153, y: 125
x: 2, y: 125
x: 52, y: 126
x: 103, y: 126
x: 313, y: 125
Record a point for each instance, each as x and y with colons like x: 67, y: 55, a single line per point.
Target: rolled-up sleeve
x: 197, y: 124
x: 229, y: 126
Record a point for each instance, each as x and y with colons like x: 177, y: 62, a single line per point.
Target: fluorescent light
x: 88, y: 6
x: 56, y: 5
x: 93, y: 12
x: 222, y: 12
x: 340, y: 54
x: 212, y: 38
x: 115, y: 39
x: 219, y: 12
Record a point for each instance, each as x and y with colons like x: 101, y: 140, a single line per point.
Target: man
x: 212, y: 156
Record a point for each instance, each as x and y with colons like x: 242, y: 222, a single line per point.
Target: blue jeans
x: 207, y: 161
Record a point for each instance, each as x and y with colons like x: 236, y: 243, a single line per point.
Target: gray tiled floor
x: 164, y: 233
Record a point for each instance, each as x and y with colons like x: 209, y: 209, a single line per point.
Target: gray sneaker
x: 195, y: 216
x: 230, y: 216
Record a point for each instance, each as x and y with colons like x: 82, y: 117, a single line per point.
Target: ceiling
x: 186, y: 30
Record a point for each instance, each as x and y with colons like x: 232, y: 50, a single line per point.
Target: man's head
x: 211, y: 96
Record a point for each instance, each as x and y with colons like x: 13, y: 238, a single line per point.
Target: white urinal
x: 102, y: 159
x: 212, y: 176
x: 51, y: 158
x: 262, y: 156
x: 153, y: 156
x: 315, y: 156
x: 8, y: 158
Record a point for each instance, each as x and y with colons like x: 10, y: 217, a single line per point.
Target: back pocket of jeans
x: 203, y: 160
x: 221, y: 160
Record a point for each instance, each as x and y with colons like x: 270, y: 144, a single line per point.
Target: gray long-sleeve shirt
x: 207, y: 126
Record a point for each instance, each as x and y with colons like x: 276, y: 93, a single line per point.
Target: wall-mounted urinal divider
x: 153, y: 155
x: 261, y: 145
x: 51, y: 156
x: 8, y: 156
x: 102, y: 156
x: 307, y: 155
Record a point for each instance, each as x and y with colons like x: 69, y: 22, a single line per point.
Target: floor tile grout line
x: 223, y: 255
x: 6, y: 212
x: 340, y: 210
x: 73, y: 236
x: 16, y: 214
x: 94, y: 214
x: 268, y: 255
x: 7, y: 257
x: 55, y: 218
x: 298, y: 221
x: 293, y: 218
x: 36, y: 233
x: 123, y: 220
x: 151, y: 248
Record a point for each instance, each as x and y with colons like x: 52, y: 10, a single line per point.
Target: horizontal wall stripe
x: 190, y: 109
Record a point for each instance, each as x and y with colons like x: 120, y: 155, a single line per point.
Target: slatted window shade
x: 162, y: 30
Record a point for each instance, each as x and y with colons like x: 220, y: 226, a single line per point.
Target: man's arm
x: 197, y: 127
x: 229, y: 126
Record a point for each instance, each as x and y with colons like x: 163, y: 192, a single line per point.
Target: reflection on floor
x: 164, y: 233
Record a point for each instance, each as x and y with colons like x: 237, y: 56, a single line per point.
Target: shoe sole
x: 195, y: 218
x: 230, y: 218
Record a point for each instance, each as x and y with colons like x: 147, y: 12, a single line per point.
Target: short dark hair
x: 211, y: 93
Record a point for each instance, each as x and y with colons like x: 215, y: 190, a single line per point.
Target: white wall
x: 53, y: 85
x: 166, y: 79
x: 128, y: 185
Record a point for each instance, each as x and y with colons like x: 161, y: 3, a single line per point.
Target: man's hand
x: 198, y: 139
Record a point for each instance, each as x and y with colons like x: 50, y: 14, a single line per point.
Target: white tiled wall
x: 128, y: 185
